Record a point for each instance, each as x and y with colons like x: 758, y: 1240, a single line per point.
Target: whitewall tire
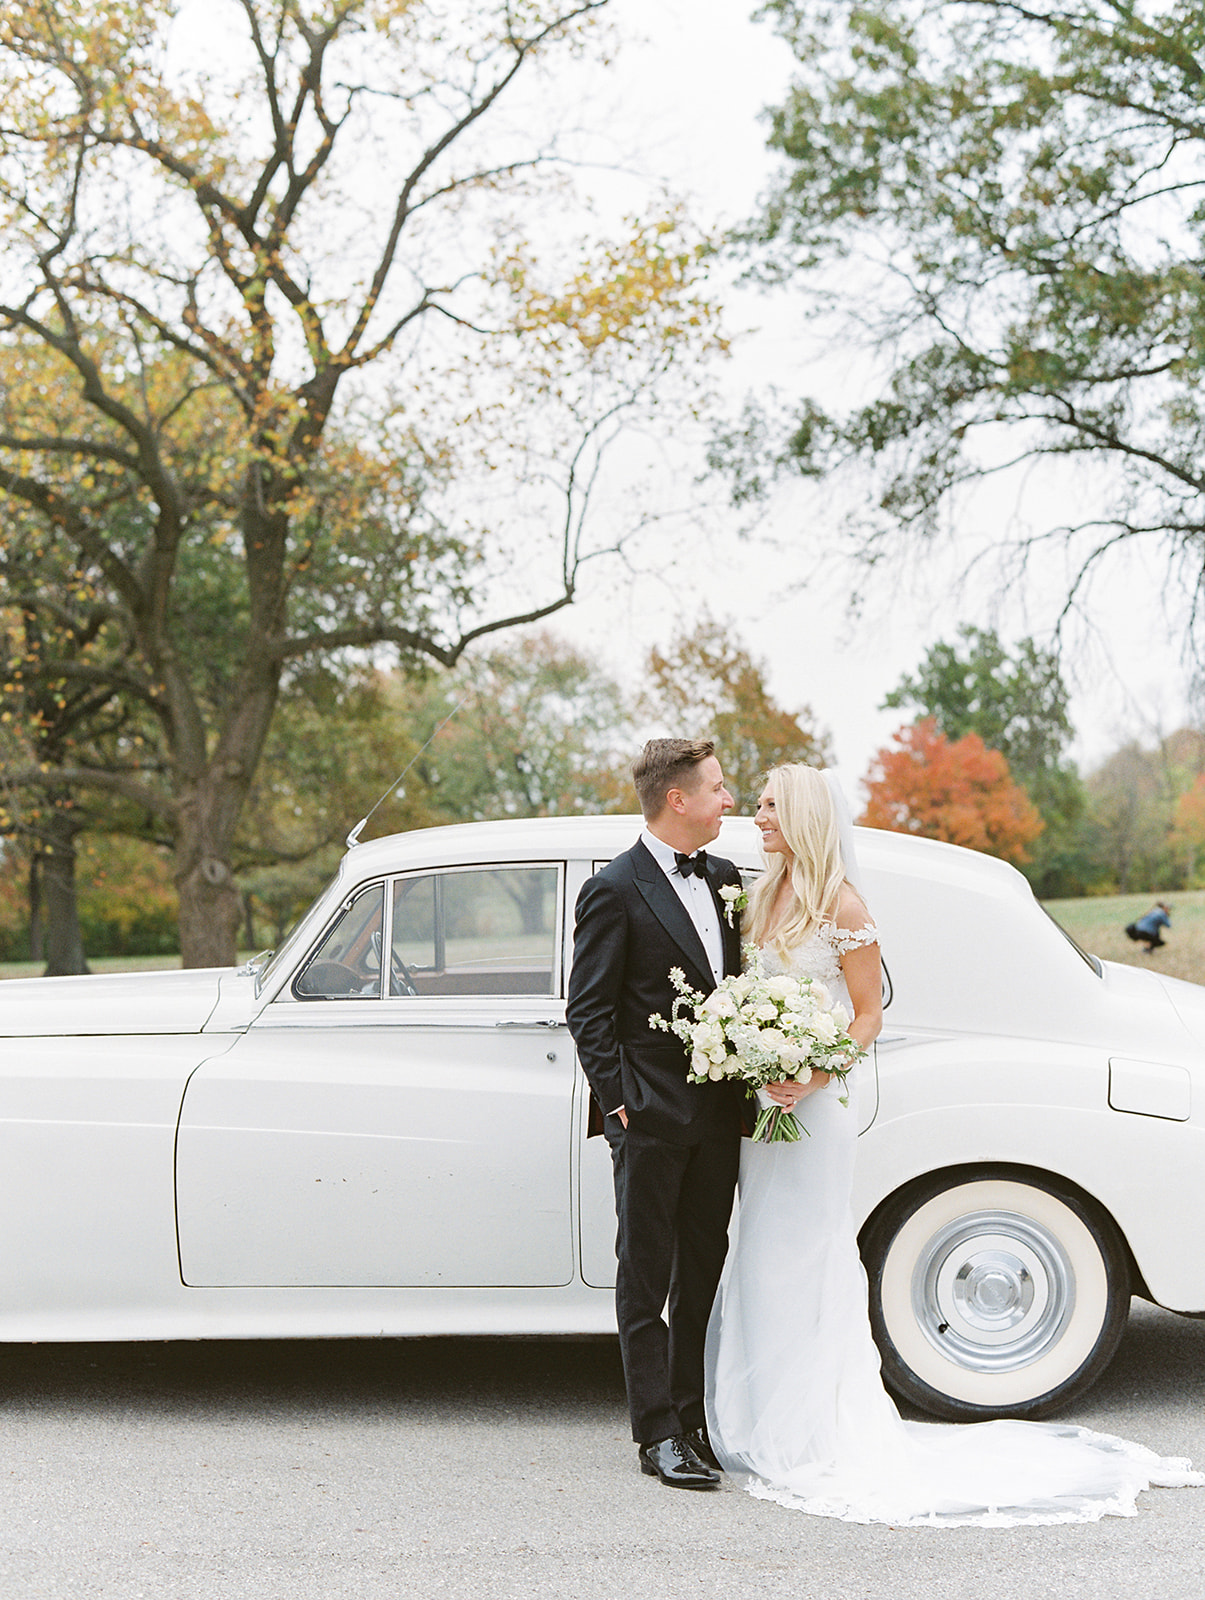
x: 993, y: 1292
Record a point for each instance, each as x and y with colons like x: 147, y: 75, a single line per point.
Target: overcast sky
x: 694, y: 90
x: 680, y: 106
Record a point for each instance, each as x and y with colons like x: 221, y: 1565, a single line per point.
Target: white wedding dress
x: 797, y: 1411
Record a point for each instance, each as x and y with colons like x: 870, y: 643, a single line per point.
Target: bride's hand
x: 788, y: 1093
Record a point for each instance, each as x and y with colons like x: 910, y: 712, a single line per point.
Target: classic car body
x: 382, y: 1130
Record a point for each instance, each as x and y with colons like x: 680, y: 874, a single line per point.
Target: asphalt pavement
x: 499, y: 1469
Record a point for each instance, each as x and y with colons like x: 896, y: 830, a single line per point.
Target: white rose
x: 796, y: 1050
x: 766, y: 1011
x: 782, y: 988
x: 775, y: 1041
x: 718, y: 1004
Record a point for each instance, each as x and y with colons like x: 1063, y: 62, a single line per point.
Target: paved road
x: 496, y: 1469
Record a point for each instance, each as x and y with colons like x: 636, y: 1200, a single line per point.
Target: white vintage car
x: 381, y: 1130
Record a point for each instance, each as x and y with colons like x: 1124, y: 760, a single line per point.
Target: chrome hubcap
x: 993, y: 1291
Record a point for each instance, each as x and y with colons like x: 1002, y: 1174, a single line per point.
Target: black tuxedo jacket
x: 631, y: 929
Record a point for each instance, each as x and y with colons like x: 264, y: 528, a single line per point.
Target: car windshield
x: 284, y: 953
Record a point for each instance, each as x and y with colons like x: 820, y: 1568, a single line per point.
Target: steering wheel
x: 327, y: 980
x: 401, y: 979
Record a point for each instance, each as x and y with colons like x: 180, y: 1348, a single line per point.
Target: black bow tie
x: 688, y: 864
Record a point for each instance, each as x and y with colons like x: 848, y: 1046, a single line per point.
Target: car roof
x: 601, y: 837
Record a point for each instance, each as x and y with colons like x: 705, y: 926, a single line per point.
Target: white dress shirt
x: 695, y: 894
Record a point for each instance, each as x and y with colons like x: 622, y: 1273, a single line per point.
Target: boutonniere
x: 735, y: 900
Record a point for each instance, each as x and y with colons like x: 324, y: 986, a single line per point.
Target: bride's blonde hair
x: 807, y: 820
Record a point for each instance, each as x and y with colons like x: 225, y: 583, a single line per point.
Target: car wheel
x: 993, y: 1292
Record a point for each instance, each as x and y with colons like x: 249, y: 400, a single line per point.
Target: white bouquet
x: 762, y: 1029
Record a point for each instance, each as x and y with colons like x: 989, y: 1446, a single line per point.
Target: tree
x: 1012, y: 195
x: 127, y: 902
x: 234, y: 370
x: 959, y: 791
x: 1188, y: 832
x: 341, y: 734
x: 1142, y: 817
x: 1017, y: 704
x: 707, y: 686
x: 46, y: 709
x: 530, y: 729
x: 1130, y: 816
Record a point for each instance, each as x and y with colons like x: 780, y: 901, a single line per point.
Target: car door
x: 401, y: 1121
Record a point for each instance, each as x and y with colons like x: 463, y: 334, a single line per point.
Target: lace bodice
x: 819, y: 956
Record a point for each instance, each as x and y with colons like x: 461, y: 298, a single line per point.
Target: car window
x: 481, y: 930
x: 346, y: 965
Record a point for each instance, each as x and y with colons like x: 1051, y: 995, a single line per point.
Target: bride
x: 796, y: 1407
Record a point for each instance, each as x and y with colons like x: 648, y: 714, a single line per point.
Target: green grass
x: 1099, y: 926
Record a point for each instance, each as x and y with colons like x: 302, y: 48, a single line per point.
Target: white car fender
x: 1144, y: 1171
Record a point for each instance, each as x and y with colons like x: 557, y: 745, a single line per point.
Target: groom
x: 674, y: 1144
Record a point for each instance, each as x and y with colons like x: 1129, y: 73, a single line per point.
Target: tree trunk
x: 210, y: 904
x: 211, y: 907
x: 210, y: 912
x: 36, y: 924
x: 212, y: 784
x: 64, y: 946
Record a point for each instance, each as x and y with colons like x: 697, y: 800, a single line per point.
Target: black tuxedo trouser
x: 673, y: 1203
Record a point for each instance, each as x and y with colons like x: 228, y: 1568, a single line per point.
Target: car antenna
x: 353, y: 837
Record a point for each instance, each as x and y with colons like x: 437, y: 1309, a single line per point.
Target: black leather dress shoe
x: 700, y: 1446
x: 675, y: 1463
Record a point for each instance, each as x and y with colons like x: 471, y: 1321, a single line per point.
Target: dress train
x: 797, y: 1412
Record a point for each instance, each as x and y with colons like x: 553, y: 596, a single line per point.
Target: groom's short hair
x: 666, y: 764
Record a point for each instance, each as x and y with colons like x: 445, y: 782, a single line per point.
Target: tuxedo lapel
x: 670, y: 913
x: 729, y: 934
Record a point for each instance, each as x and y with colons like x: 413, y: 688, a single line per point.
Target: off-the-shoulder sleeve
x: 845, y: 939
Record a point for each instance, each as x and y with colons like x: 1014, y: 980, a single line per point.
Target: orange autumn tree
x: 1188, y: 831
x: 959, y: 791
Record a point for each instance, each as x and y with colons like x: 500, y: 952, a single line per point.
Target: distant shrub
x: 127, y: 902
